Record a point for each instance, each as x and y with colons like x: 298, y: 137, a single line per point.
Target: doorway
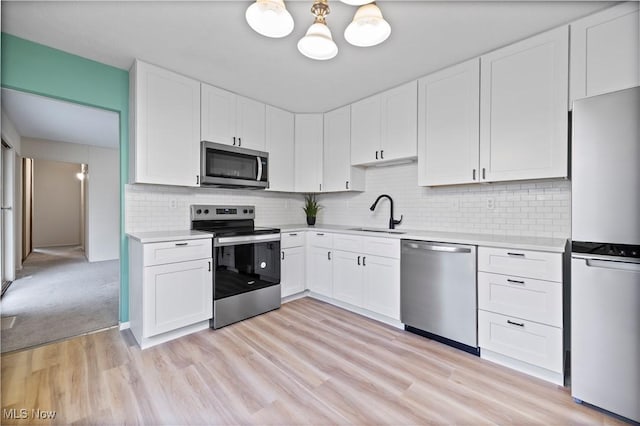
x: 69, y: 283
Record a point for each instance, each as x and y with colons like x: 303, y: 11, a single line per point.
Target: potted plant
x: 311, y: 208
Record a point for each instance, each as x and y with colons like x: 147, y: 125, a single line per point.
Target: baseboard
x: 532, y: 370
x: 364, y: 312
x: 125, y: 325
x: 296, y: 296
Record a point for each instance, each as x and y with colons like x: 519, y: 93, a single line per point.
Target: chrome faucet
x: 392, y: 221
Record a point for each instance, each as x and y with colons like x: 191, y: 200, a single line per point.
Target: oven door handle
x: 259, y: 169
x: 245, y: 239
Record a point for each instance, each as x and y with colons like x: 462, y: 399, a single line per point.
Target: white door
x: 218, y: 115
x: 605, y: 51
x: 365, y: 131
x: 167, y: 128
x: 381, y: 277
x: 337, y: 150
x: 399, y: 127
x: 308, y: 152
x: 523, y: 109
x: 7, y: 244
x: 449, y: 125
x: 292, y: 271
x: 319, y: 276
x: 347, y: 277
x: 280, y: 146
x: 250, y: 123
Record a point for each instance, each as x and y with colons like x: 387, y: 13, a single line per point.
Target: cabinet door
x: 166, y: 146
x: 292, y: 270
x: 308, y: 152
x: 347, y: 277
x: 449, y: 125
x: 177, y: 295
x: 365, y: 131
x: 218, y: 115
x: 523, y: 109
x: 319, y: 271
x: 399, y: 125
x: 337, y: 171
x: 381, y: 277
x: 280, y: 146
x: 605, y: 51
x: 250, y: 123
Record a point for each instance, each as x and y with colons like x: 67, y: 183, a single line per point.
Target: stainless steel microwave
x: 227, y: 166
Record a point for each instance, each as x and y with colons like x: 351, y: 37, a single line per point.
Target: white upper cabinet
x: 605, y: 51
x: 384, y: 126
x: 449, y: 125
x: 165, y: 127
x: 338, y: 174
x: 523, y: 109
x: 280, y: 146
x: 308, y: 152
x: 231, y: 119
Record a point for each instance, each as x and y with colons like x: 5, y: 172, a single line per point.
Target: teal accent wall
x: 34, y: 68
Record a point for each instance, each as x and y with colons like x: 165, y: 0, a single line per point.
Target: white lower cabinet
x: 382, y: 286
x: 319, y: 271
x: 170, y: 289
x: 347, y: 278
x: 520, y: 316
x: 292, y: 271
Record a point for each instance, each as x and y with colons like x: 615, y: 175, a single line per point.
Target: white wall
x: 102, y: 239
x: 148, y: 207
x: 56, y: 204
x: 531, y: 208
x: 10, y: 133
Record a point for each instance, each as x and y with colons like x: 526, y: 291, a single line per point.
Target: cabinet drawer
x: 291, y: 239
x: 534, y: 300
x: 346, y: 242
x: 385, y: 247
x: 176, y: 251
x: 530, y: 342
x: 522, y: 263
x: 320, y: 239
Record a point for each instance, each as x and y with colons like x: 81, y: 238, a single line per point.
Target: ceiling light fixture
x: 271, y: 18
x: 317, y: 42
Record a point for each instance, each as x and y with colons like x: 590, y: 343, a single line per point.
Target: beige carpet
x: 59, y: 294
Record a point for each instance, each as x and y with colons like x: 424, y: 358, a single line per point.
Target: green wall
x: 38, y: 69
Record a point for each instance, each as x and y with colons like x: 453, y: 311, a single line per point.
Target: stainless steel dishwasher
x: 438, y: 296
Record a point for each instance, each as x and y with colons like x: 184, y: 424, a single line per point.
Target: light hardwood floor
x: 306, y: 363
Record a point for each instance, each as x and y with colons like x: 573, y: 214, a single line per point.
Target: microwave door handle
x: 259, y: 178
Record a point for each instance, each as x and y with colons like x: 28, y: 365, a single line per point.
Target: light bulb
x: 269, y: 18
x: 368, y: 27
x: 317, y: 43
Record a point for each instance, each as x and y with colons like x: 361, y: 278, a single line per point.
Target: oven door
x: 245, y: 263
x: 229, y: 166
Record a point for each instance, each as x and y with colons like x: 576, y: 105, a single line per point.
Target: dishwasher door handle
x: 447, y: 249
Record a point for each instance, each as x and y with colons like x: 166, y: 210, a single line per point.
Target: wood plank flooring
x: 306, y: 363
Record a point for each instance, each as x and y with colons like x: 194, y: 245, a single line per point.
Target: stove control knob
x: 245, y: 211
x: 198, y: 211
x: 206, y: 211
x: 250, y: 210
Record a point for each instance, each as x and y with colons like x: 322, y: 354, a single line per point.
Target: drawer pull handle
x: 182, y: 244
x: 358, y: 260
x: 515, y: 281
x: 364, y: 258
x: 282, y: 258
x: 519, y: 324
x: 209, y: 266
x: 515, y: 254
x: 328, y: 255
x: 293, y: 235
x: 319, y: 234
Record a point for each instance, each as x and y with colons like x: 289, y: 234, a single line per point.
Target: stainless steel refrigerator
x: 605, y: 258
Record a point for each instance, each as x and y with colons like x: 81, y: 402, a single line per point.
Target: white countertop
x: 487, y: 240
x: 161, y: 236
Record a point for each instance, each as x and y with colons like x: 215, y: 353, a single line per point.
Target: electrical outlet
x: 491, y: 203
x: 173, y: 204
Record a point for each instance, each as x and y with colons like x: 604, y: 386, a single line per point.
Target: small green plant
x: 311, y: 206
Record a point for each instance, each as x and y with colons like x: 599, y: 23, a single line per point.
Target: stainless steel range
x: 246, y: 281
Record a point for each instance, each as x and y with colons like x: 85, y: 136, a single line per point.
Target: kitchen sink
x: 386, y: 231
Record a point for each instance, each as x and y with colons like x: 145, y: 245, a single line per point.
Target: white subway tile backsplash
x: 519, y: 208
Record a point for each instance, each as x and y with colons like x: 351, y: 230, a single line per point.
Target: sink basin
x: 386, y: 231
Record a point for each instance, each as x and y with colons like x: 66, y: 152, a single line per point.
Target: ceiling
x: 211, y: 41
x: 40, y: 117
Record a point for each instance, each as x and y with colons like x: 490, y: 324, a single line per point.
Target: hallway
x: 59, y: 294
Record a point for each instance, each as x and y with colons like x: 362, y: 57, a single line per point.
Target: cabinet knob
x: 347, y: 184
